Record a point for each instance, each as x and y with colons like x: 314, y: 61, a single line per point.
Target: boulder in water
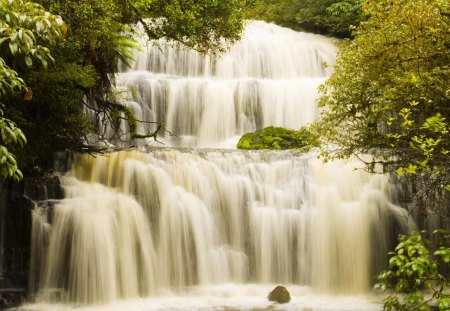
x: 280, y: 295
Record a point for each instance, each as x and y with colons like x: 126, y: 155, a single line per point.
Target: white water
x: 268, y: 78
x: 204, y: 229
x: 229, y: 297
x: 140, y: 224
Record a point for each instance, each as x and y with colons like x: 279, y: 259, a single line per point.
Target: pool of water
x: 228, y: 297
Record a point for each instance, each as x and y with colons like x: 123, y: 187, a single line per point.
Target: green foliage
x: 203, y: 25
x: 328, y: 16
x: 278, y: 11
x: 10, y: 135
x: 10, y: 82
x: 26, y: 32
x: 429, y: 142
x: 413, y: 269
x: 333, y: 17
x: 278, y: 138
x: 98, y: 36
x: 54, y: 118
x: 389, y: 94
x: 343, y: 16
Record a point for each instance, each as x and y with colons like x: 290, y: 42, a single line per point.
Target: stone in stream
x: 280, y: 295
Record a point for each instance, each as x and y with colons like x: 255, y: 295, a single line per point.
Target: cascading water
x: 268, y: 78
x: 144, y: 223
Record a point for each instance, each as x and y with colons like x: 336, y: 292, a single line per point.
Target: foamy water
x: 229, y: 297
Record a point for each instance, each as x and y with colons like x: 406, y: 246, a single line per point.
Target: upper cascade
x: 269, y: 78
x: 266, y: 51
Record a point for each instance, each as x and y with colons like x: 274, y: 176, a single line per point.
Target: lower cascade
x: 135, y: 224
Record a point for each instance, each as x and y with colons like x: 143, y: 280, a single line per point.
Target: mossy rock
x: 280, y: 295
x: 278, y: 138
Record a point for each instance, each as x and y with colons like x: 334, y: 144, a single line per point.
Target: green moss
x: 278, y: 138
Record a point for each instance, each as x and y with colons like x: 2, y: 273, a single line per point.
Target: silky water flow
x: 196, y: 220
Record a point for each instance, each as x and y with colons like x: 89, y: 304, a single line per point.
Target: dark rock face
x: 17, y: 200
x: 16, y: 203
x: 42, y: 188
x: 11, y: 297
x: 62, y: 161
x: 12, y: 289
x: 280, y: 295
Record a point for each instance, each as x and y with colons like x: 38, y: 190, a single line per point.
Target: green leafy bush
x: 27, y: 31
x: 414, y: 274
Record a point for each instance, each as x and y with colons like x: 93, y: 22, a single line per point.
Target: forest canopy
x: 329, y: 17
x: 67, y: 61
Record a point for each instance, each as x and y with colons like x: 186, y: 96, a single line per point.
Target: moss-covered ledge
x: 278, y: 138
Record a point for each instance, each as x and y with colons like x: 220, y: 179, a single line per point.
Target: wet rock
x: 278, y: 138
x: 10, y: 298
x: 280, y: 295
x: 62, y: 161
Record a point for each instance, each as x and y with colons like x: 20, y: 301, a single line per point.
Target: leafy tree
x: 328, y: 16
x: 333, y: 17
x: 26, y: 31
x: 203, y: 25
x: 414, y: 268
x: 342, y: 16
x: 99, y: 36
x: 278, y: 11
x: 389, y: 95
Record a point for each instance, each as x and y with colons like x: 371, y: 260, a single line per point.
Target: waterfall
x: 143, y: 222
x: 268, y: 78
x: 135, y: 222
